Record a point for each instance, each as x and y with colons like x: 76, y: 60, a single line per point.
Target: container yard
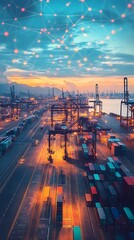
x: 73, y: 174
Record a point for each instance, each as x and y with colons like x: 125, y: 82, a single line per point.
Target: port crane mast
x: 97, y: 103
x: 128, y: 120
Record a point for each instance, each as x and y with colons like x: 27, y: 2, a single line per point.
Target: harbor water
x: 112, y: 106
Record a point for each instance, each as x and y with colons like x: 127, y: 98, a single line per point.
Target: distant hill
x: 22, y: 90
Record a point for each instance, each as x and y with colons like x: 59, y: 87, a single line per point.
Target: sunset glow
x: 68, y: 44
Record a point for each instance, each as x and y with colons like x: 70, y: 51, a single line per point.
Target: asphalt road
x: 16, y: 168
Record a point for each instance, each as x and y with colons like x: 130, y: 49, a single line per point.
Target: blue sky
x: 67, y: 43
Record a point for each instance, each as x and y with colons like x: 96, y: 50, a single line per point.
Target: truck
x: 88, y: 199
x: 59, y: 209
x: 77, y: 233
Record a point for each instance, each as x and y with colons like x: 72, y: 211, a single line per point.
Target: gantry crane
x: 128, y: 119
x: 97, y: 103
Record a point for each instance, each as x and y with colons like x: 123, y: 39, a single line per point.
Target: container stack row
x: 111, y: 193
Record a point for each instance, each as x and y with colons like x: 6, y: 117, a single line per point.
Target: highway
x: 16, y: 169
x: 28, y: 188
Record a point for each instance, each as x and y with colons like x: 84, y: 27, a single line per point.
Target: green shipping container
x: 129, y: 215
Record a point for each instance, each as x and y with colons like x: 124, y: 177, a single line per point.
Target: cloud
x: 65, y: 40
x: 2, y: 47
x: 70, y: 85
x: 37, y: 50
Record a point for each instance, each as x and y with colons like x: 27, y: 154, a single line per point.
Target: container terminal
x: 66, y: 168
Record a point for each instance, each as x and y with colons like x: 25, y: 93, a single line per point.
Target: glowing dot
x: 123, y: 15
x: 100, y: 11
x: 82, y: 29
x: 55, y: 15
x: 82, y: 17
x: 76, y: 49
x: 6, y: 34
x: 89, y: 9
x: 129, y: 5
x: 113, y: 31
x: 15, y: 19
x: 85, y: 59
x: 24, y: 28
x: 107, y: 37
x: 112, y: 20
x: 16, y: 51
x: 15, y: 40
x: 25, y: 63
x: 38, y: 41
x: 2, y: 23
x: 68, y: 4
x: 14, y: 60
x: 22, y: 9
x: 37, y: 56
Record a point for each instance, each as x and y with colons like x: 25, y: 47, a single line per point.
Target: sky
x: 67, y: 44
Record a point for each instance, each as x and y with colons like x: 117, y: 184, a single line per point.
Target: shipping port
x: 66, y: 169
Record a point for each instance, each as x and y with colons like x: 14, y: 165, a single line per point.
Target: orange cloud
x: 84, y: 84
